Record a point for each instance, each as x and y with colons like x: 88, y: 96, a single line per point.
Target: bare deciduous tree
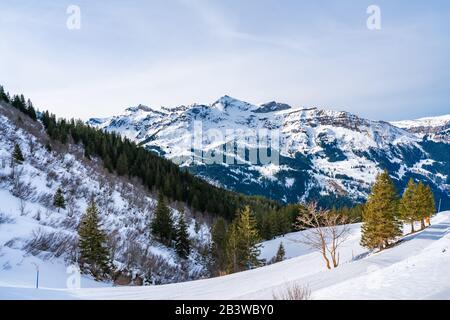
x: 326, y: 233
x: 71, y: 204
x: 22, y: 207
x: 32, y: 147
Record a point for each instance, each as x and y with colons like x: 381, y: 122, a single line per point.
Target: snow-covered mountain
x: 33, y: 232
x: 432, y: 128
x: 323, y: 154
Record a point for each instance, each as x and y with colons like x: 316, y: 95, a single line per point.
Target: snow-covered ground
x: 417, y: 268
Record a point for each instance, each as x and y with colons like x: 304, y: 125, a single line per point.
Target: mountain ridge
x: 323, y: 153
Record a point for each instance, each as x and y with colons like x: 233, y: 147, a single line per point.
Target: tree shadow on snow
x: 431, y: 233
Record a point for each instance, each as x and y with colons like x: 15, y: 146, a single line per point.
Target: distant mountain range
x: 324, y: 155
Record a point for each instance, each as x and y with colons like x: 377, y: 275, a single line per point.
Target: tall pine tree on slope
x: 424, y: 203
x: 218, y: 246
x: 380, y: 217
x: 162, y: 223
x: 232, y: 250
x: 242, y: 244
x: 420, y: 204
x: 122, y: 165
x: 94, y: 254
x: 431, y: 204
x: 417, y: 204
x: 182, y: 243
x: 407, y: 206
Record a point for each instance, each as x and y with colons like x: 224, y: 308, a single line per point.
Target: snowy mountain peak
x: 96, y: 121
x: 227, y: 103
x: 272, y: 106
x: 138, y: 108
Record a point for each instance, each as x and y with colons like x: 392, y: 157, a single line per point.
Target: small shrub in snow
x: 23, y: 207
x: 293, y: 291
x: 13, y: 243
x: 52, y: 176
x: 45, y: 199
x: 57, y: 243
x: 70, y: 223
x: 23, y: 190
x: 5, y: 219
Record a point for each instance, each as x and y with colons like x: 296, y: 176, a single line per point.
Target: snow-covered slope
x: 33, y: 232
x: 417, y: 268
x: 433, y: 128
x: 324, y: 154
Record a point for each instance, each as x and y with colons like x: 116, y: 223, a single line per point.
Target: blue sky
x: 172, y: 52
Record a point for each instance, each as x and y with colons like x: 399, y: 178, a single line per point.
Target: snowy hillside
x: 324, y: 154
x: 33, y: 231
x: 414, y: 269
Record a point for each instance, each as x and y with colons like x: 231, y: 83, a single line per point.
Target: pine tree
x: 218, y: 245
x: 281, y: 253
x: 17, y: 154
x: 182, y: 243
x: 232, y: 250
x: 3, y: 95
x: 431, y: 204
x: 242, y: 243
x: 30, y: 110
x: 162, y: 224
x: 122, y: 165
x: 425, y: 204
x: 421, y: 203
x: 407, y: 206
x: 94, y: 254
x: 58, y: 200
x: 380, y: 219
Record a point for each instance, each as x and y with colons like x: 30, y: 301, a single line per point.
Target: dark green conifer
x: 58, y: 200
x: 94, y: 254
x: 182, y: 243
x: 281, y: 253
x: 162, y: 223
x: 17, y: 154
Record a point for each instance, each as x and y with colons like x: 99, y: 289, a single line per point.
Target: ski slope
x: 417, y: 268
